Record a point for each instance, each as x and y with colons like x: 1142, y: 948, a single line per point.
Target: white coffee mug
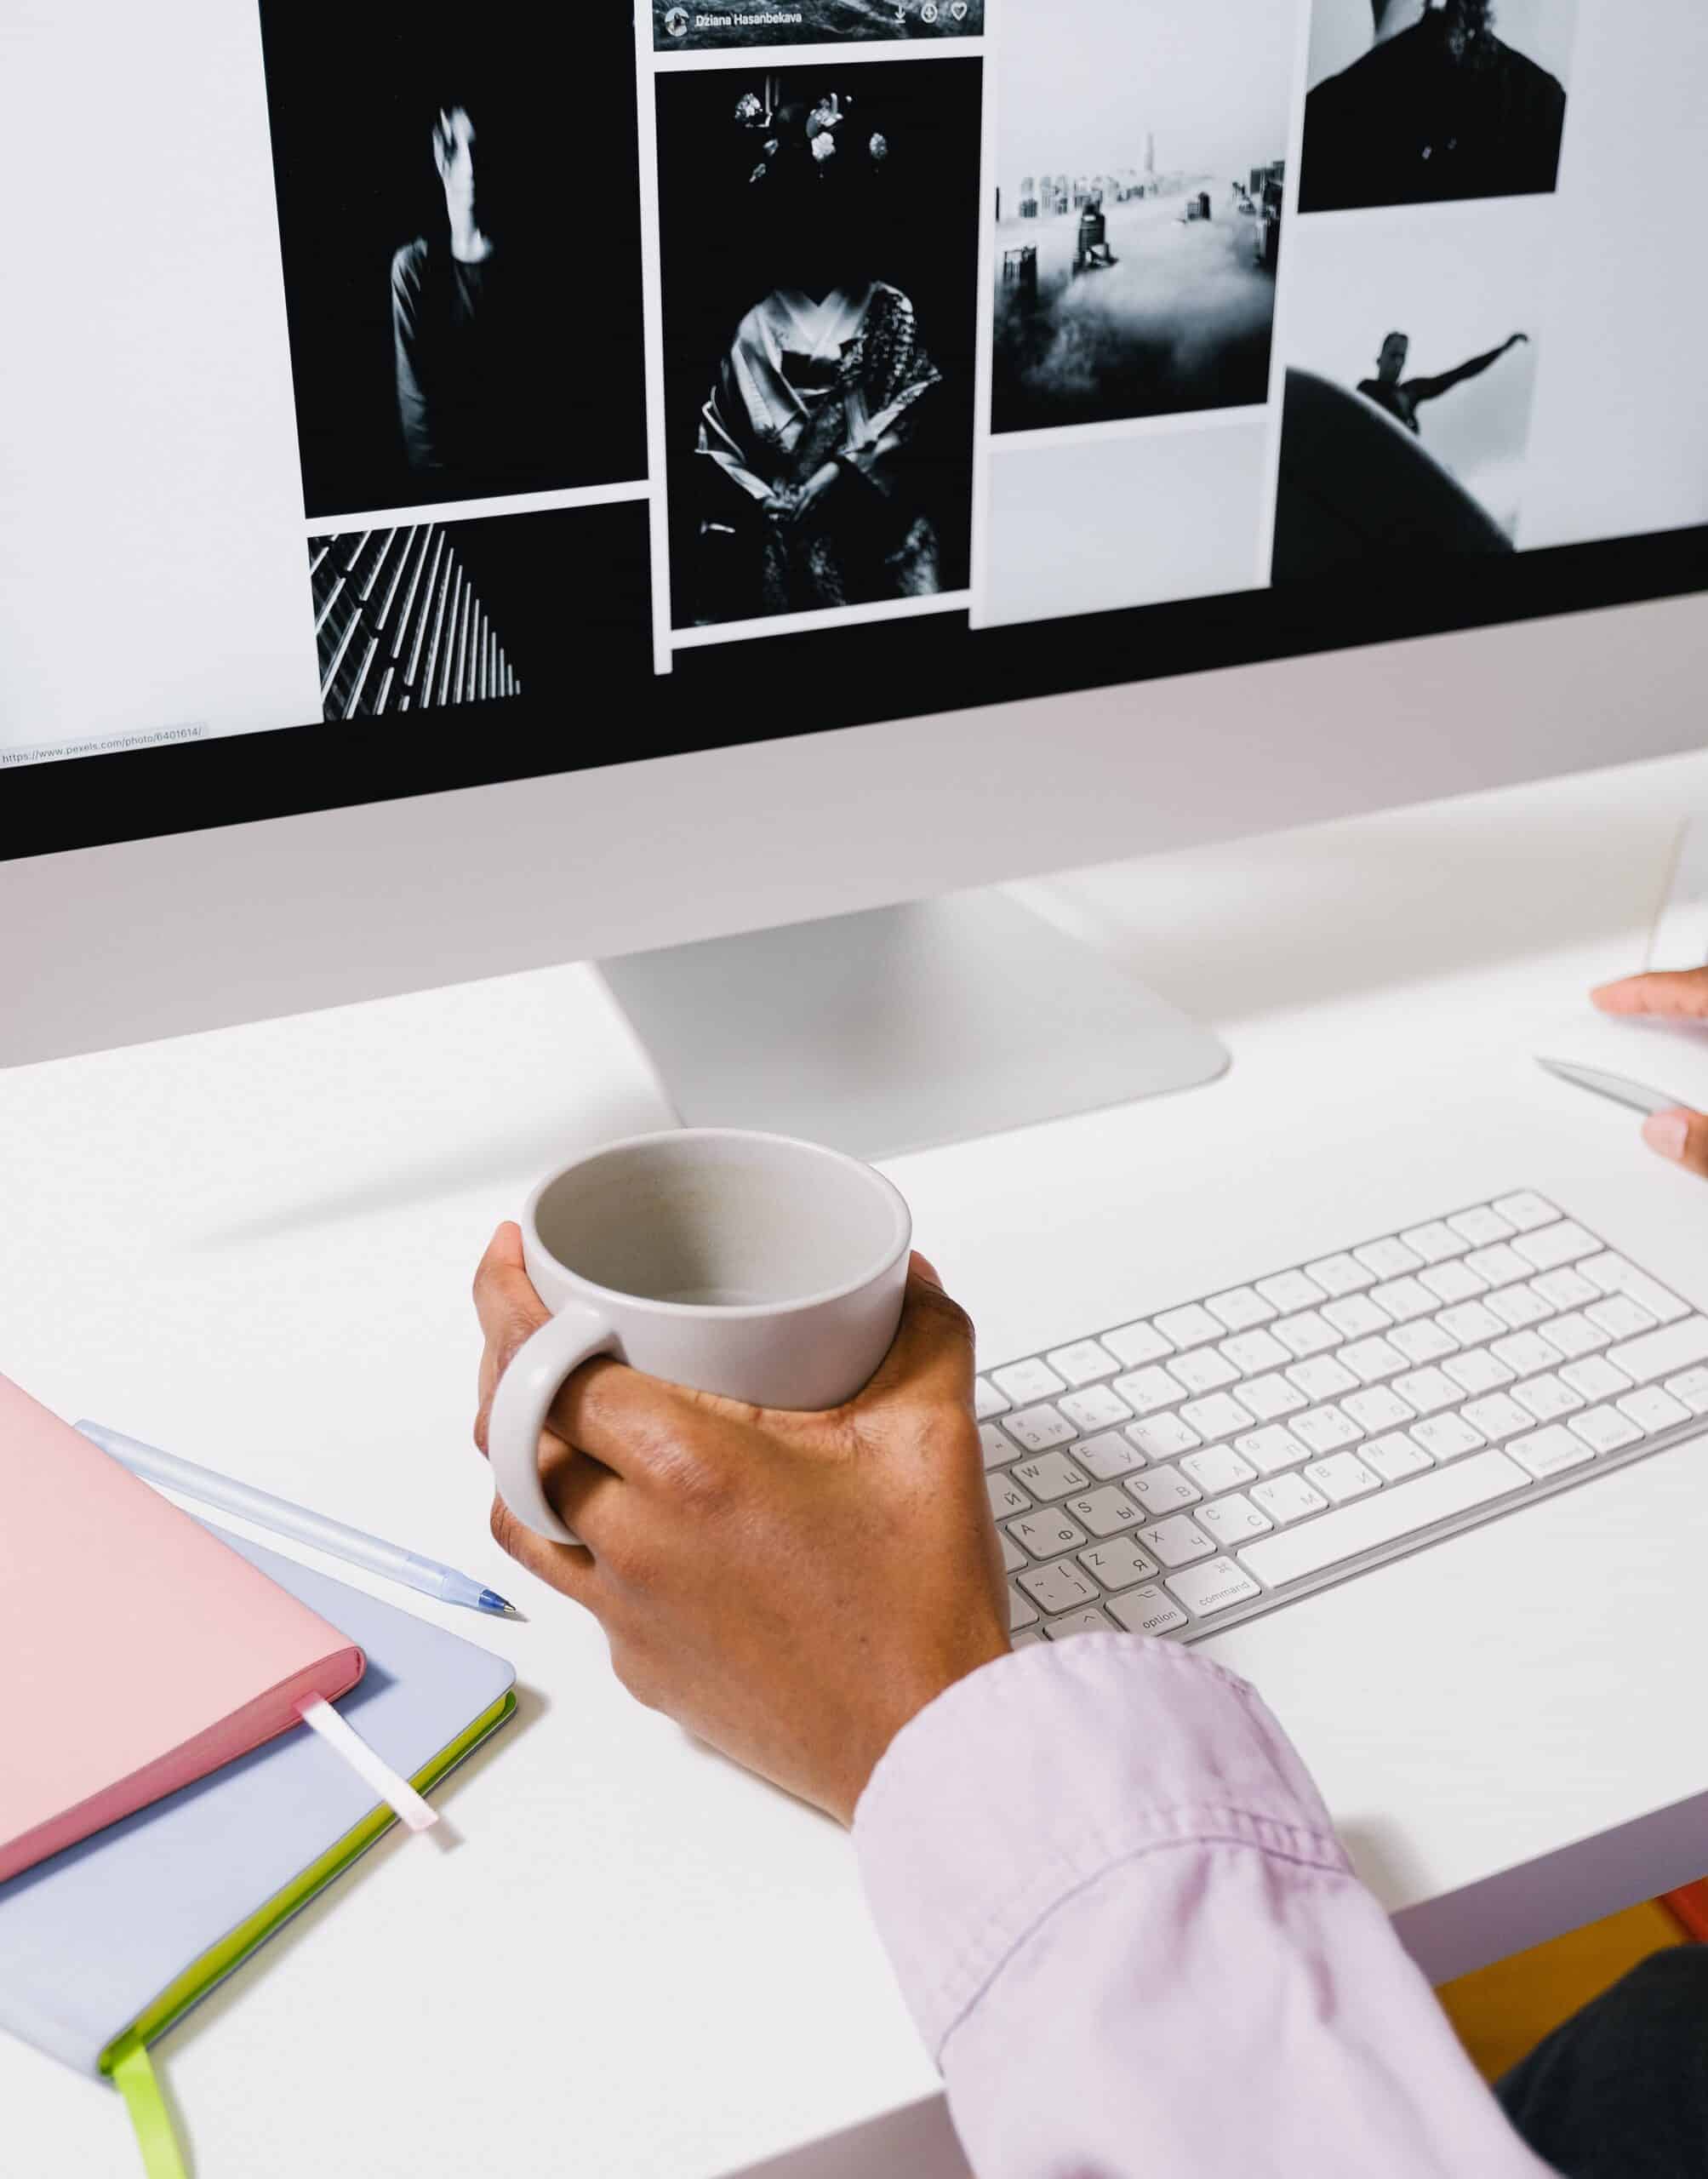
x: 752, y: 1266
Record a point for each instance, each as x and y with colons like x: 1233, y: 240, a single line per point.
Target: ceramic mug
x: 751, y: 1266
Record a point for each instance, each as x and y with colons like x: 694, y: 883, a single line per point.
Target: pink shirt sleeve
x: 1132, y: 1942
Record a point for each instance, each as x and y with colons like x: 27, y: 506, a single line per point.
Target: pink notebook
x: 137, y: 1652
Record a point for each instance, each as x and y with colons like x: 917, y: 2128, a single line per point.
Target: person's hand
x: 1670, y: 995
x: 791, y: 1588
x: 814, y: 490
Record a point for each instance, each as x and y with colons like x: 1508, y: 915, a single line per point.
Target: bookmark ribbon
x: 140, y: 2085
x: 395, y: 1790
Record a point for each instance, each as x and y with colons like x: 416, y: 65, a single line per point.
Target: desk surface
x: 254, y: 1247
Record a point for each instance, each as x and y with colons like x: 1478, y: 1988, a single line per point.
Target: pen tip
x: 490, y: 1600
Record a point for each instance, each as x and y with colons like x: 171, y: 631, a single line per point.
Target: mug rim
x: 717, y: 1312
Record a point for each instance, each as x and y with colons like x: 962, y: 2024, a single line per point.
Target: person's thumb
x: 1680, y: 1136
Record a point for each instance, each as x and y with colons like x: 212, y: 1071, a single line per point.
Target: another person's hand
x: 807, y: 497
x: 791, y: 1588
x: 1672, y: 995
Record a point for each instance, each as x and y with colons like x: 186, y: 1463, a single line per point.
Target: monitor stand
x: 902, y: 1028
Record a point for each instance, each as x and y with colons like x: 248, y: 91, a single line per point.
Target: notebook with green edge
x: 105, y: 1946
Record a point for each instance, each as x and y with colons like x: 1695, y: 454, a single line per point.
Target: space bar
x: 1402, y: 1511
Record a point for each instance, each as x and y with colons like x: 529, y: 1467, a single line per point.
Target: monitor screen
x: 404, y: 398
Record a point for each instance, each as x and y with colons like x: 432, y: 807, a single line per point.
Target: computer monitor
x: 488, y: 487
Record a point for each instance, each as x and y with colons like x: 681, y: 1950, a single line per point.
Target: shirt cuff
x: 1028, y: 1780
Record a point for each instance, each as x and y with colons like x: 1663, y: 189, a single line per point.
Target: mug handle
x: 522, y: 1401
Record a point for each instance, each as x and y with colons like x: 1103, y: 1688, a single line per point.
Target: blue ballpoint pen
x: 281, y: 1518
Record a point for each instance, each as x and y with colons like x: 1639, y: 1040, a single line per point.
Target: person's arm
x: 1432, y: 389
x: 1671, y: 995
x: 414, y: 406
x: 1111, y: 1895
x: 720, y: 440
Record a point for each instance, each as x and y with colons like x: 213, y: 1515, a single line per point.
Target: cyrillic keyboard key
x: 1446, y: 1438
x: 1161, y: 1437
x: 1320, y: 1378
x: 1551, y: 1245
x: 1662, y: 1353
x: 1202, y: 1370
x: 1252, y: 1351
x: 1098, y: 1407
x: 1083, y: 1363
x: 1090, y: 1621
x: 1109, y: 1455
x: 1024, y: 1381
x: 1404, y: 1509
x: 1497, y: 1417
x: 1378, y: 1409
x: 1057, y: 1588
x: 1135, y: 1344
x: 1147, y: 1612
x: 987, y: 1400
x: 1518, y: 1307
x: 1035, y: 1429
x: 1394, y: 1457
x: 1308, y: 1333
x: 1356, y: 1318
x: 1240, y: 1308
x: 1451, y: 1282
x: 1221, y: 1468
x: 1340, y: 1274
x: 1550, y: 1452
x: 1619, y: 1317
x: 1233, y: 1519
x: 1271, y: 1398
x: 1177, y: 1543
x: 1342, y: 1477
x: 1480, y: 1227
x: 1653, y: 1409
x: 1146, y: 1390
x: 998, y: 1451
x: 1525, y: 1209
x: 1500, y: 1266
x: 1434, y: 1242
x: 1188, y: 1327
x: 1388, y: 1259
x: 1205, y: 1590
x: 1273, y: 1449
x: 1692, y: 1388
x: 1288, y: 1290
x: 1117, y: 1563
x: 1373, y: 1359
x: 1605, y: 1430
x: 1567, y: 1289
x: 1547, y: 1398
x: 1163, y: 1491
x: 1046, y: 1535
x: 1426, y: 1390
x: 1572, y: 1334
x: 1287, y: 1498
x: 1615, y: 1274
x: 1478, y: 1371
x: 1005, y: 1496
x: 1107, y: 1512
x: 1470, y: 1323
x: 1595, y: 1377
x: 1051, y: 1475
x: 1524, y: 1354
x: 1423, y: 1341
x: 1326, y: 1429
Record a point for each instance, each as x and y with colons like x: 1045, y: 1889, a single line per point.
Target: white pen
x: 1618, y: 1087
x: 279, y: 1516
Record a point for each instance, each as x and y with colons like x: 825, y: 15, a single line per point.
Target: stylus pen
x: 279, y: 1516
x: 1618, y: 1087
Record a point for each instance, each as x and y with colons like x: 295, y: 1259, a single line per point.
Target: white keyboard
x: 1211, y: 1462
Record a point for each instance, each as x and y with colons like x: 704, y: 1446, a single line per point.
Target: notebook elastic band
x: 399, y: 1795
x: 139, y: 2087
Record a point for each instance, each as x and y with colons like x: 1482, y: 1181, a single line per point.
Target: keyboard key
x: 1595, y: 1377
x: 1574, y: 1335
x: 1550, y: 1452
x: 1052, y: 1475
x: 1083, y: 1363
x: 1321, y: 1378
x: 1088, y: 1622
x: 1036, y: 1428
x: 1660, y: 1353
x: 1692, y: 1388
x: 1202, y: 1370
x: 1252, y: 1351
x: 1033, y: 1636
x: 1435, y: 1242
x: 1209, y: 1589
x: 1013, y: 1557
x: 1118, y: 1564
x: 1405, y: 1300
x: 1271, y: 1398
x: 1518, y: 1307
x: 1109, y: 1455
x: 1478, y: 1371
x: 1046, y: 1535
x: 1428, y: 1390
x: 1357, y: 1317
x: 1147, y: 1612
x: 1394, y: 1457
x: 1145, y: 1390
x: 1373, y: 1359
x: 1162, y: 1437
x: 1107, y: 1512
x: 1404, y: 1509
x: 1451, y: 1282
x: 1098, y: 1407
x: 1273, y: 1449
x: 1523, y: 1354
x: 1479, y: 1226
x: 1026, y: 1381
x: 1547, y: 1398
x: 1342, y: 1477
x: 1221, y: 1468
x: 1190, y: 1326
x: 1218, y: 1417
x: 1021, y: 1613
x: 1288, y: 1290
x: 1342, y: 1274
x: 1163, y: 1491
x: 1057, y: 1588
x: 1550, y: 1246
x: 1618, y: 1316
x: 1326, y: 1429
x: 1240, y: 1309
x: 1423, y: 1341
x: 1388, y: 1259
x: 1308, y: 1333
x: 1605, y: 1430
x: 1233, y: 1519
x: 987, y: 1400
x: 1525, y: 1210
x: 1378, y: 1409
x: 1446, y: 1438
x: 1665, y: 1308
x: 1177, y: 1543
x: 1470, y: 1323
x: 1137, y: 1343
x: 1567, y: 1289
x: 1287, y: 1498
x: 1497, y: 1417
x: 1498, y: 1265
x: 998, y: 1451
x: 1005, y: 1496
x: 1653, y: 1409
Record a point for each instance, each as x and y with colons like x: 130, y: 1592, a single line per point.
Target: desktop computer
x: 715, y: 492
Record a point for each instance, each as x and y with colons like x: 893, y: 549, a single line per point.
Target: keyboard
x: 1209, y: 1463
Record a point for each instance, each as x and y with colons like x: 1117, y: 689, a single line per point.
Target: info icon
x: 676, y: 22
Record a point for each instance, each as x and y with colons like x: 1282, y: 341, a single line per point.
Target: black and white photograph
x: 1141, y: 165
x: 432, y: 616
x: 1412, y: 348
x: 459, y: 215
x: 683, y: 28
x: 820, y: 251
x: 1434, y: 101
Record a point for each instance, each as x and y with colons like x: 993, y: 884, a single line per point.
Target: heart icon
x: 958, y: 10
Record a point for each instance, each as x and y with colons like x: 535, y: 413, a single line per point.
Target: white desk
x: 256, y: 1247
